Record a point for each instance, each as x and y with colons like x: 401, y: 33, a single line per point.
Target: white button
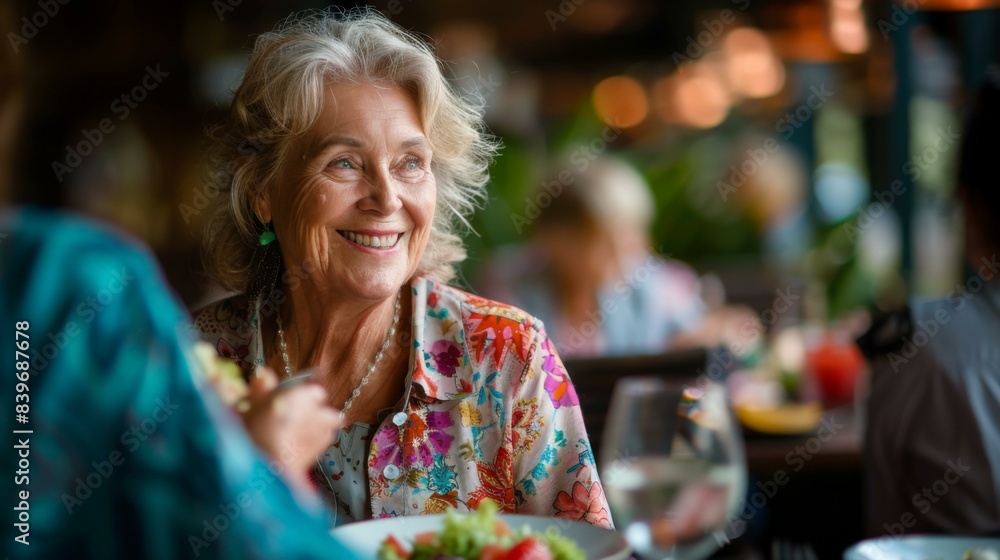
x: 399, y: 418
x: 390, y: 472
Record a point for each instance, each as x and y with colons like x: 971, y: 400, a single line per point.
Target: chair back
x: 595, y: 378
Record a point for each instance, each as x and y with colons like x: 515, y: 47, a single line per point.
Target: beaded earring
x: 268, y: 268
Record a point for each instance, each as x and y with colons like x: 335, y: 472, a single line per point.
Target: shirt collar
x: 461, y: 341
x: 439, y: 343
x: 440, y: 364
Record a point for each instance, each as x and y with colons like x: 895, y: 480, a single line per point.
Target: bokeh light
x: 621, y: 101
x: 847, y: 27
x: 752, y: 69
x: 697, y: 97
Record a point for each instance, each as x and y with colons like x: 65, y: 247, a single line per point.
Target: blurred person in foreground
x: 589, y: 271
x: 932, y: 447
x: 353, y: 163
x: 130, y: 453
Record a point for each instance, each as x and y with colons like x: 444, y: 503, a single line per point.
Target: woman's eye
x: 341, y: 164
x: 412, y: 164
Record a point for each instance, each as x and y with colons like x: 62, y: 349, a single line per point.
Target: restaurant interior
x: 788, y: 169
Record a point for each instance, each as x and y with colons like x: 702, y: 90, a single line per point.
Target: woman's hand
x: 293, y: 426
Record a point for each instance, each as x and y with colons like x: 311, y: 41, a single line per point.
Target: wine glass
x: 672, y: 465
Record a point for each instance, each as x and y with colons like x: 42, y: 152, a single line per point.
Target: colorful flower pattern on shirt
x: 447, y: 356
x: 557, y: 382
x: 582, y: 502
x: 492, y: 414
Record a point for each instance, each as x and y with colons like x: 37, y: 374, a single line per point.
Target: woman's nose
x: 383, y: 193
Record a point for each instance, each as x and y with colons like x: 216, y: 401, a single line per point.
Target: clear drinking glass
x: 673, y: 467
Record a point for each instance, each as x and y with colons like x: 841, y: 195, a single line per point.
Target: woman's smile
x: 372, y: 241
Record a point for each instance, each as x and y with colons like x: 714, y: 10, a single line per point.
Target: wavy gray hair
x: 281, y: 96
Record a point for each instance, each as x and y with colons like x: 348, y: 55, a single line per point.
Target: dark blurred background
x: 853, y: 93
x: 800, y: 145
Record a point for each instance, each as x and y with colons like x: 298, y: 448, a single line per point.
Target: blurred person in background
x: 932, y: 447
x: 352, y: 163
x: 774, y: 195
x: 590, y: 272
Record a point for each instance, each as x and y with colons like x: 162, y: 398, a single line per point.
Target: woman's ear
x: 262, y: 206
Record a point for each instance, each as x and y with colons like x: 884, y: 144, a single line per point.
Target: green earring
x: 267, y: 235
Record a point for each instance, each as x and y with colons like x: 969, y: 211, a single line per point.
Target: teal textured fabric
x: 128, y: 457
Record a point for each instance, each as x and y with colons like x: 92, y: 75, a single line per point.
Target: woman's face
x: 355, y: 196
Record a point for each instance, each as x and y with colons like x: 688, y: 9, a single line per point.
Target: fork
x: 787, y: 550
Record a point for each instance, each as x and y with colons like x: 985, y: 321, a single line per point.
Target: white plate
x: 919, y: 548
x: 364, y: 538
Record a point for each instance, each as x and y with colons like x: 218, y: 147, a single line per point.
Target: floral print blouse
x: 492, y: 413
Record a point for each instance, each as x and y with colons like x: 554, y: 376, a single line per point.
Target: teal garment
x: 128, y: 459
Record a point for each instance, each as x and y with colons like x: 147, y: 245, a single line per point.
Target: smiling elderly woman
x: 347, y: 163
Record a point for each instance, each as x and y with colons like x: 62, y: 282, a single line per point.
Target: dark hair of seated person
x: 977, y: 173
x: 976, y: 189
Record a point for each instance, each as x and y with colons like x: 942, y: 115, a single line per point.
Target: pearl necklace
x: 371, y: 369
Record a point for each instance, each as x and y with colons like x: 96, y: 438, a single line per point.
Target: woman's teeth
x: 372, y: 240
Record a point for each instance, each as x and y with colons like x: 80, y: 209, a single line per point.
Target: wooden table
x: 801, y: 489
x: 841, y: 450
